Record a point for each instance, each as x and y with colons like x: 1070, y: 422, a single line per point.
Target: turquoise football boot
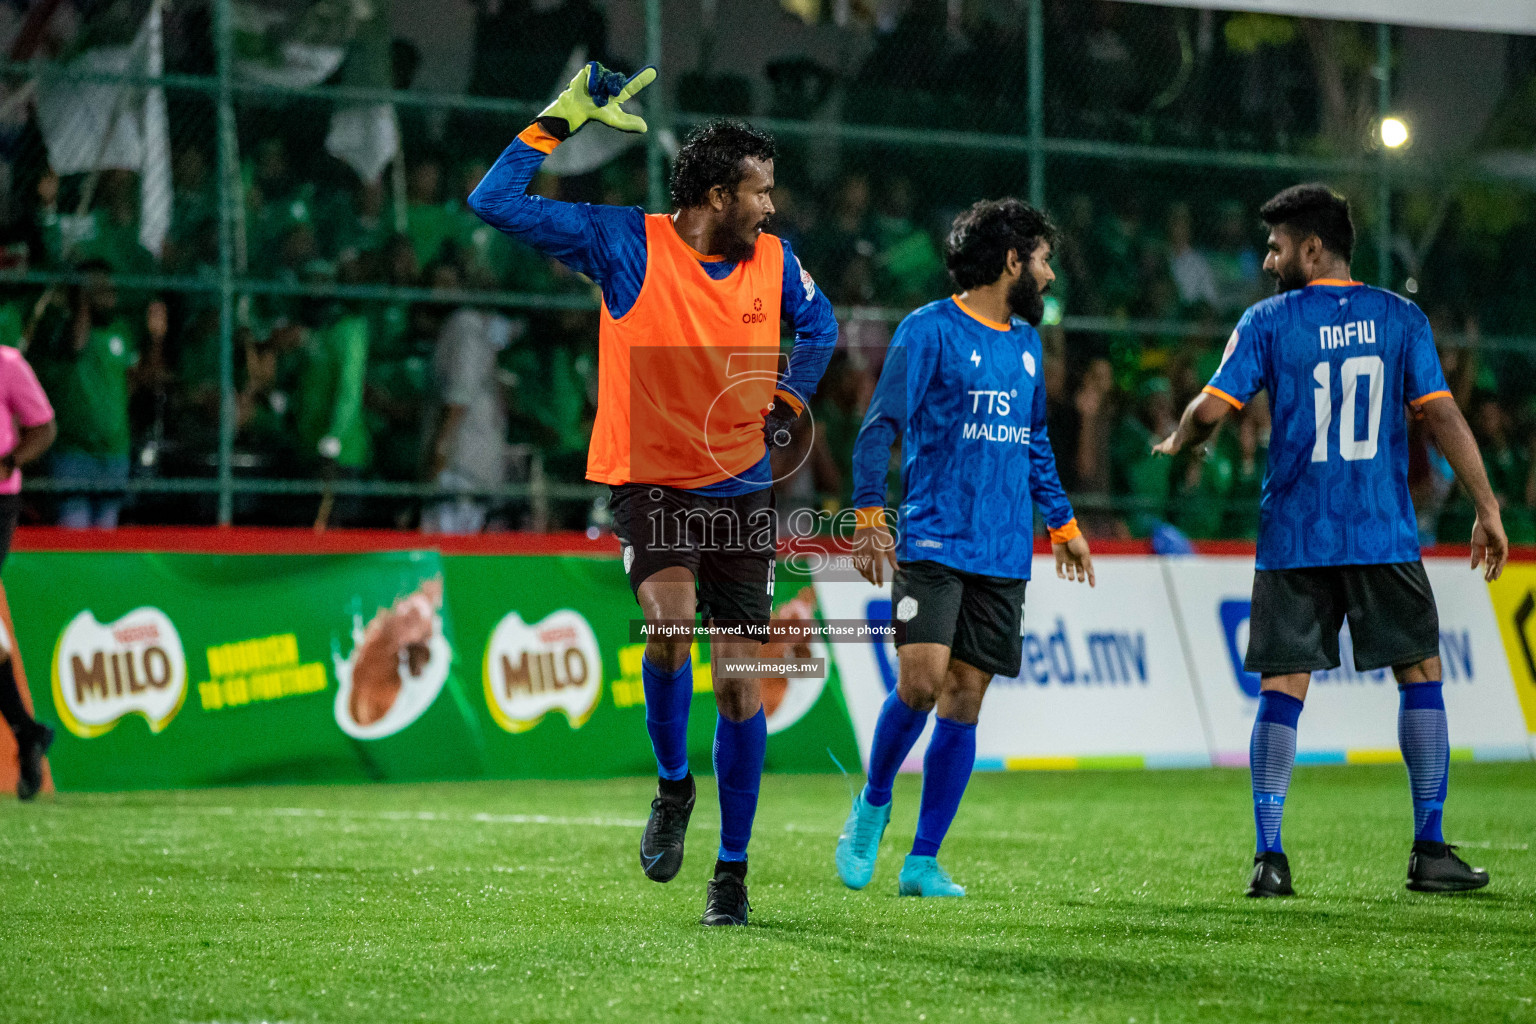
x: 859, y: 844
x: 922, y: 876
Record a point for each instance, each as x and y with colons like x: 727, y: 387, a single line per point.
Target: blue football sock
x: 1426, y: 746
x: 946, y: 769
x: 1271, y: 756
x: 667, y: 698
x: 895, y: 731
x: 739, y: 748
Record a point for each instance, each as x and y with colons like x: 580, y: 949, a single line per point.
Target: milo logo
x: 132, y: 666
x: 550, y: 665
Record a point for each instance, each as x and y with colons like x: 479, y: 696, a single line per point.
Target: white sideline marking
x: 556, y: 821
x: 1488, y: 844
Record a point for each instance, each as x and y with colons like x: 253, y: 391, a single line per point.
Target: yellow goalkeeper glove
x: 596, y: 94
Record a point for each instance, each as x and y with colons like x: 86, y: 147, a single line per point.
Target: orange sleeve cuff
x: 790, y: 400
x: 1234, y: 403
x: 1066, y: 531
x: 866, y: 517
x: 535, y: 136
x: 1425, y: 399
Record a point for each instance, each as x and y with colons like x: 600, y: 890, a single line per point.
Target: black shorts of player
x: 728, y: 544
x: 1297, y: 613
x: 977, y: 617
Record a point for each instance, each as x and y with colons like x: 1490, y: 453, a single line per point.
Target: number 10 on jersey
x: 1351, y: 448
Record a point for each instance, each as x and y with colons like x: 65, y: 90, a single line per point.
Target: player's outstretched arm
x: 910, y: 363
x: 1201, y: 418
x: 1490, y: 546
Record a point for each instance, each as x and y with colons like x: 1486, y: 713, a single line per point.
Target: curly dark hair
x: 712, y: 155
x: 976, y: 251
x: 1314, y: 209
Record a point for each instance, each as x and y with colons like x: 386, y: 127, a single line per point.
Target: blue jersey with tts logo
x: 967, y: 398
x: 1341, y: 361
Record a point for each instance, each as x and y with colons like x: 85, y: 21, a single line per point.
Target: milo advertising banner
x: 180, y: 670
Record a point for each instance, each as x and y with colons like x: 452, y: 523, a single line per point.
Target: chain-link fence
x: 236, y: 239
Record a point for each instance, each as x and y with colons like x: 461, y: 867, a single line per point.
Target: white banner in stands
x: 1469, y: 15
x: 1350, y: 716
x: 1103, y: 677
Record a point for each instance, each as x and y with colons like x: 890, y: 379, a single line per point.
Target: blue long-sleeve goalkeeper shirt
x: 967, y: 398
x: 607, y: 243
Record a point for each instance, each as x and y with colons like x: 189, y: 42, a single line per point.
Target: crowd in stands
x: 438, y: 388
x: 473, y: 397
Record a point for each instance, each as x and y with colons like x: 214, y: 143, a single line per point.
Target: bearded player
x: 690, y: 397
x: 963, y: 389
x: 1338, y: 539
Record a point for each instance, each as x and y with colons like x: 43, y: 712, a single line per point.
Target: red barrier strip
x: 243, y: 540
x: 250, y: 540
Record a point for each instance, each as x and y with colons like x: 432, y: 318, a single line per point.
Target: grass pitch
x: 1096, y: 896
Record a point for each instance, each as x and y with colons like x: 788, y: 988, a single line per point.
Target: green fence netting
x: 264, y: 201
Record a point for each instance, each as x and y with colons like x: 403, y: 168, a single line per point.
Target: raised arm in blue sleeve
x: 1423, y: 377
x: 808, y: 308
x: 607, y: 243
x: 1241, y: 373
x: 909, y: 366
x: 1044, y: 481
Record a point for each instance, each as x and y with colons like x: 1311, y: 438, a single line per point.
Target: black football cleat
x: 725, y: 900
x: 1434, y: 867
x: 1271, y: 876
x: 661, y: 844
x: 31, y: 753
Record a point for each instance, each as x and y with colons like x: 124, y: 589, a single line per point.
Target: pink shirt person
x: 22, y: 402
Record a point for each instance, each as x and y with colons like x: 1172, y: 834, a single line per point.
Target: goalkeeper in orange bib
x: 692, y: 393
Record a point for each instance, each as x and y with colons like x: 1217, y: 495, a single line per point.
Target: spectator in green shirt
x: 1205, y: 483
x: 1249, y: 464
x: 109, y: 233
x: 333, y: 433
x: 1139, y: 476
x: 360, y: 225
x: 93, y: 366
x: 429, y: 221
x: 909, y: 265
x: 194, y: 211
x: 1509, y: 466
x: 277, y: 203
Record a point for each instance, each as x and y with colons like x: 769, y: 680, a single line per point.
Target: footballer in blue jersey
x: 1345, y: 365
x: 963, y: 387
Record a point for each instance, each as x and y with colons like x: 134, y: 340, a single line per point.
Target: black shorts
x: 728, y: 544
x: 979, y: 618
x: 1297, y: 613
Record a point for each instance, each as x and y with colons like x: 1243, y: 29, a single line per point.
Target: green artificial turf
x: 1094, y: 896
